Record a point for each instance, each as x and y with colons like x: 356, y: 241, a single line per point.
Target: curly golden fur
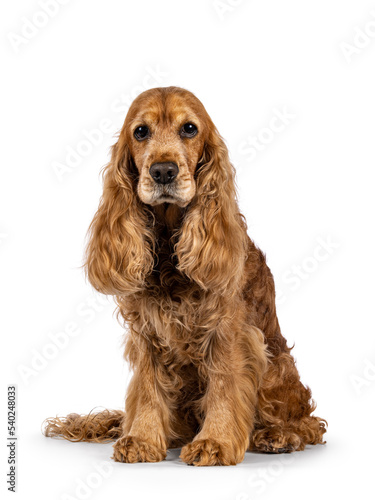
x: 212, y: 372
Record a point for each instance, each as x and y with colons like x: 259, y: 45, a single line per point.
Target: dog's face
x: 166, y: 134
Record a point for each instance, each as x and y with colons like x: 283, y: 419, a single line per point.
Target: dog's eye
x: 188, y: 130
x: 141, y: 132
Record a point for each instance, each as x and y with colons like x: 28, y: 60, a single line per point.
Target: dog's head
x: 168, y: 152
x: 166, y: 130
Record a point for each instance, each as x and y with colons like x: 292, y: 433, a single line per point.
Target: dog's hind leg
x: 283, y: 420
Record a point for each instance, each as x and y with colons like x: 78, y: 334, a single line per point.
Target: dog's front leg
x: 146, y: 423
x: 235, y: 368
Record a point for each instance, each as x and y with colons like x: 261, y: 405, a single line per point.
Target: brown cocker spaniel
x: 212, y: 372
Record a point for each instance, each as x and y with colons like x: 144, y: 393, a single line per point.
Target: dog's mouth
x: 165, y: 194
x: 167, y: 198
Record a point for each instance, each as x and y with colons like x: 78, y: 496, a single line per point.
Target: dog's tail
x: 96, y: 427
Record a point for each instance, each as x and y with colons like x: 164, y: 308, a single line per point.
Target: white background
x: 312, y: 182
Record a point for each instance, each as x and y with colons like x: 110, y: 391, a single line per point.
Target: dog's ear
x: 212, y: 243
x: 120, y: 248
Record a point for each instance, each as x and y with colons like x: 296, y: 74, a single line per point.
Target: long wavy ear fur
x: 212, y: 242
x: 119, y: 253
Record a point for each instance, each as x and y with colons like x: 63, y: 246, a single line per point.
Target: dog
x: 212, y: 372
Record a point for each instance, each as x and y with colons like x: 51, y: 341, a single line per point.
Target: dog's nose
x: 164, y: 173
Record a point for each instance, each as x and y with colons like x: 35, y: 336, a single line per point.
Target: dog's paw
x: 207, y: 452
x: 130, y: 449
x: 274, y: 447
x: 277, y: 443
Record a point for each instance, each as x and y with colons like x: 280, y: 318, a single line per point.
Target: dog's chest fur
x: 173, y: 312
